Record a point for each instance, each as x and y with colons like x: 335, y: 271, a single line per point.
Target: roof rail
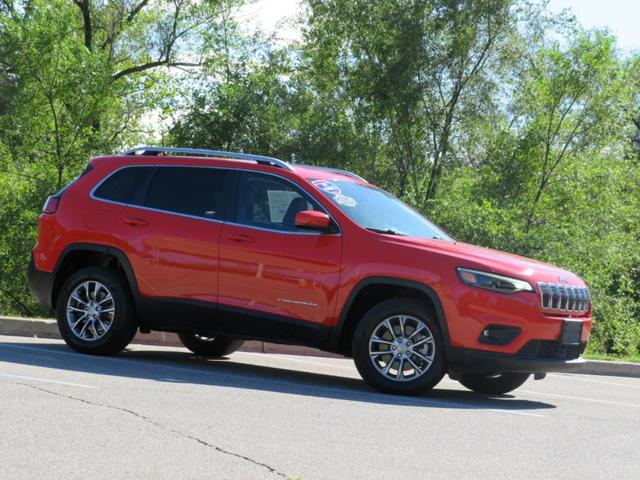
x: 260, y: 159
x: 337, y: 170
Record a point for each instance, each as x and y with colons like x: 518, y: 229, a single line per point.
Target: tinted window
x: 270, y: 202
x: 188, y: 190
x: 124, y: 185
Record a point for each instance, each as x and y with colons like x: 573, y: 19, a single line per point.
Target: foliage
x: 560, y: 183
x: 75, y: 80
x: 512, y: 128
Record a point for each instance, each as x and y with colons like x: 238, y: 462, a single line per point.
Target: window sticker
x: 327, y: 187
x: 279, y: 201
x: 345, y: 200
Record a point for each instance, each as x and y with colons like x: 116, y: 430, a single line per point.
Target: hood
x: 487, y: 259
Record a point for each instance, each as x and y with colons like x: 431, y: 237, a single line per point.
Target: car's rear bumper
x: 463, y: 360
x: 40, y: 284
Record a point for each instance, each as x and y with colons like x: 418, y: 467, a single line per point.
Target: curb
x: 47, y: 328
x: 606, y: 367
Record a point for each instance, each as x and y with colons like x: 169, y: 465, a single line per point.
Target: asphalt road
x: 157, y: 412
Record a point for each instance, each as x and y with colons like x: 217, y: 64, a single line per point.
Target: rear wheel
x: 495, y: 384
x: 206, y: 346
x: 397, y: 347
x: 95, y: 312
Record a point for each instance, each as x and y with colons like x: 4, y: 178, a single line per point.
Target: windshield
x: 377, y: 210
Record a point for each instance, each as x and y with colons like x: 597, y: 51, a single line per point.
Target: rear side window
x: 196, y: 191
x: 125, y: 185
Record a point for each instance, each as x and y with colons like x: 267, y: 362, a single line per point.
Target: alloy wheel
x: 402, y: 348
x: 90, y: 310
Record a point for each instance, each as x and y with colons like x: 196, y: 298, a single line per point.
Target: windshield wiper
x: 387, y: 231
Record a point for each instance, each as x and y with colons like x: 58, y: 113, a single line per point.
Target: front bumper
x: 462, y: 360
x: 40, y: 284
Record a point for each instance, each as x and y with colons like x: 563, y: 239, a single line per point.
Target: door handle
x: 240, y: 238
x: 135, y: 222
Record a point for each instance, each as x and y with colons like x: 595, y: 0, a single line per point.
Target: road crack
x: 158, y: 425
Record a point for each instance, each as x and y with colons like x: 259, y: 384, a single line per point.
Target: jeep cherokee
x: 222, y: 247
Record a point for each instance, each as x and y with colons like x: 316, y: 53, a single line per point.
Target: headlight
x: 491, y: 281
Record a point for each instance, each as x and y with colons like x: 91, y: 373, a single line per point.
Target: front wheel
x: 397, y: 347
x: 204, y: 346
x: 495, y: 384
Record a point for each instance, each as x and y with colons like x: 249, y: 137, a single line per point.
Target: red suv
x: 222, y: 247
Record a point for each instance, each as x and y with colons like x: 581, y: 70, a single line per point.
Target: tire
x: 413, y: 373
x: 496, y: 384
x: 108, y: 325
x: 204, y: 346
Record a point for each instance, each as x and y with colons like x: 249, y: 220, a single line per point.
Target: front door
x: 271, y: 268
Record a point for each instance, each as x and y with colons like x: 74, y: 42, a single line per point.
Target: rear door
x: 171, y: 237
x: 269, y: 266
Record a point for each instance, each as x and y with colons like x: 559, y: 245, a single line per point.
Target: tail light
x: 53, y: 202
x: 51, y: 205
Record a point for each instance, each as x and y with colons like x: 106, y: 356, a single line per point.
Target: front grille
x: 552, y: 349
x: 564, y: 298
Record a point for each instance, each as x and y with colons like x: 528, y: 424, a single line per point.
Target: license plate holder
x: 571, y: 332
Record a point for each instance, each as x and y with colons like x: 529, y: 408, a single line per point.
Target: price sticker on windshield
x: 327, y: 187
x: 332, y: 189
x: 345, y: 200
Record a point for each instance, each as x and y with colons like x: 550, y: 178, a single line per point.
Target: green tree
x: 76, y: 79
x: 559, y: 182
x: 418, y: 71
x: 514, y: 137
x: 511, y: 127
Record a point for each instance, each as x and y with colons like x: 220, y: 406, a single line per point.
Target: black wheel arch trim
x: 98, y: 248
x: 338, y: 331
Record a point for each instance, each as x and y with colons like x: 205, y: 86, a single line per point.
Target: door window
x: 195, y: 191
x: 267, y: 201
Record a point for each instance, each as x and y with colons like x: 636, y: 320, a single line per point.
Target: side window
x: 270, y: 202
x: 125, y: 185
x: 196, y: 191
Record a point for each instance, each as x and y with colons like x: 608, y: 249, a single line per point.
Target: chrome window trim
x: 282, y: 231
x: 185, y: 215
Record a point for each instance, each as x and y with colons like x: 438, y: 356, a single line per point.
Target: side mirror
x: 312, y: 220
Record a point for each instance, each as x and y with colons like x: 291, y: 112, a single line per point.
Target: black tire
x: 205, y: 346
x: 123, y: 324
x: 493, y: 384
x: 371, y: 322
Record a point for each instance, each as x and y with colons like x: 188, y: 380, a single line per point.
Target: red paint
x: 313, y: 220
x: 303, y: 276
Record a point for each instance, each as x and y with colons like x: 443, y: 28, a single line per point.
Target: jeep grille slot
x: 564, y: 298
